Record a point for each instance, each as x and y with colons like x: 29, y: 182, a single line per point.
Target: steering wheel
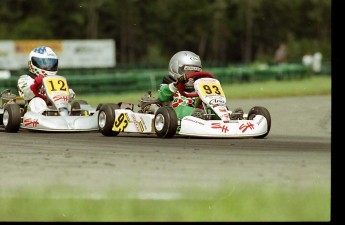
x: 181, y: 86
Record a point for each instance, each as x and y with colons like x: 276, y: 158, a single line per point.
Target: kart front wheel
x: 11, y: 118
x: 259, y: 110
x: 111, y: 104
x: 106, y: 118
x: 165, y: 122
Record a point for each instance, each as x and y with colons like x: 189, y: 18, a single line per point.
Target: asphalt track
x: 296, y: 153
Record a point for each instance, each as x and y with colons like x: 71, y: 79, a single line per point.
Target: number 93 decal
x: 213, y: 89
x: 121, y: 123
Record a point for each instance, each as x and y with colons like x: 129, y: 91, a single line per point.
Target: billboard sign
x: 99, y: 53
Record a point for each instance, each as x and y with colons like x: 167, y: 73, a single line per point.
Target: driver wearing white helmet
x: 42, y: 62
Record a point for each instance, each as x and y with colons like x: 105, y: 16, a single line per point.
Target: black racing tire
x: 165, y: 122
x: 115, y: 105
x: 259, y: 110
x: 106, y: 118
x: 12, y: 118
x: 99, y: 106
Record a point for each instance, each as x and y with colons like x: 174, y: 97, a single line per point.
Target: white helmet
x: 43, y: 60
x: 182, y: 62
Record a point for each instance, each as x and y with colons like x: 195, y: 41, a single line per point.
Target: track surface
x: 296, y: 153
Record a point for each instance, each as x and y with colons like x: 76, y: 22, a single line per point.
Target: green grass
x: 232, y: 203
x: 315, y: 85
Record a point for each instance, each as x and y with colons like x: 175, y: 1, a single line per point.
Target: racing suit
x: 29, y: 90
x: 183, y: 106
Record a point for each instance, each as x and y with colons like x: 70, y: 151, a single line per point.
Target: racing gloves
x: 36, y: 86
x: 71, y: 94
x: 182, y: 79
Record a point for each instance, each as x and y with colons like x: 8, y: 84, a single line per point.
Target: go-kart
x: 152, y: 116
x: 57, y: 113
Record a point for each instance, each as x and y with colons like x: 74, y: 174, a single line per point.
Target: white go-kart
x: 55, y: 114
x: 153, y: 117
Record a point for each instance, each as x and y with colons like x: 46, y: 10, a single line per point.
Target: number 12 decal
x: 61, y: 83
x: 56, y: 84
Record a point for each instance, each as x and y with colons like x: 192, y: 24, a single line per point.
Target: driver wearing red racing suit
x: 42, y: 62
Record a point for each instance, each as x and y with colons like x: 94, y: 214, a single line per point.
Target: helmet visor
x: 48, y: 64
x: 187, y: 69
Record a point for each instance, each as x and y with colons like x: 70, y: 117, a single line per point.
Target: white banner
x: 71, y: 53
x: 8, y: 56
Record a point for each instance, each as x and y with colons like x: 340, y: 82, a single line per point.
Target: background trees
x: 150, y: 31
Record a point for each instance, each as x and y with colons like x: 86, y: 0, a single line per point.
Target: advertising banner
x: 72, y: 53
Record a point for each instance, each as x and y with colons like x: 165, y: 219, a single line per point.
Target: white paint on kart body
x: 133, y: 122
x: 192, y: 126
x: 57, y: 117
x: 36, y: 121
x: 165, y: 124
x: 215, y: 99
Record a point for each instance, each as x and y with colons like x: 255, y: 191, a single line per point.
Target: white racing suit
x: 36, y: 103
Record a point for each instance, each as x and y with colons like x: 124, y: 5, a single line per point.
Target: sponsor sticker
x: 224, y: 128
x: 194, y: 121
x: 138, y: 124
x: 31, y: 122
x: 245, y: 126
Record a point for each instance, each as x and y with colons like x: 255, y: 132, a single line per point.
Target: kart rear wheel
x: 76, y: 105
x: 106, y: 118
x: 165, y: 122
x: 259, y: 110
x: 12, y: 118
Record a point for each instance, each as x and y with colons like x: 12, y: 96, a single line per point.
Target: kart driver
x: 42, y: 62
x: 181, y: 64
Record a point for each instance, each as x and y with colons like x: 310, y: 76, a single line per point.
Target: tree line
x: 151, y: 31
